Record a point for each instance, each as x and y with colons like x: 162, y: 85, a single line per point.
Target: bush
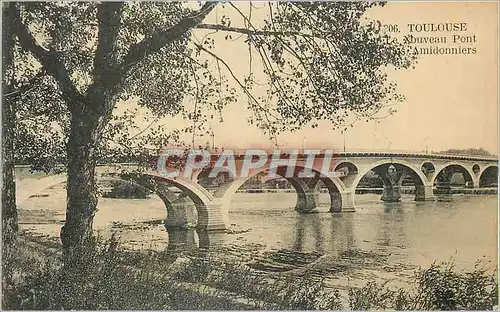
x: 436, y: 288
x: 121, y: 280
x: 125, y: 189
x: 440, y: 287
x: 103, y: 283
x: 372, y: 296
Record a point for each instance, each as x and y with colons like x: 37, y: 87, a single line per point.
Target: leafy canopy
x: 317, y: 61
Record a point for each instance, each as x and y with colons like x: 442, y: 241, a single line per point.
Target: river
x: 379, y: 237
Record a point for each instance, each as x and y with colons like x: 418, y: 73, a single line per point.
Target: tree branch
x: 250, y: 32
x: 161, y: 38
x: 250, y: 96
x: 195, y: 110
x: 146, y: 128
x: 26, y: 87
x: 49, y: 60
x: 265, y: 59
x: 242, y: 86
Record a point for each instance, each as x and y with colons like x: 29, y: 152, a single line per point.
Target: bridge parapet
x: 302, y: 153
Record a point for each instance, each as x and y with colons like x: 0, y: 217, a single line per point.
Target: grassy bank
x: 33, y: 278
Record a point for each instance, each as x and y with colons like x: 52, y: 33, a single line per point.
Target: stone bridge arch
x: 182, y: 209
x: 428, y: 168
x: 209, y: 215
x: 307, y: 194
x: 203, y: 201
x: 178, y: 207
x: 393, y: 180
x: 487, y: 173
x: 444, y: 173
x: 411, y: 169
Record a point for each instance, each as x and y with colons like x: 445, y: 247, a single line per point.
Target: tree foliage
x: 321, y: 61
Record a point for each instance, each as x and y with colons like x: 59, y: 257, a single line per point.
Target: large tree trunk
x: 82, y: 150
x: 9, y: 209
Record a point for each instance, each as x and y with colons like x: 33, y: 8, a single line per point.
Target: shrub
x: 125, y: 189
x: 439, y: 287
x: 120, y: 280
x: 372, y: 296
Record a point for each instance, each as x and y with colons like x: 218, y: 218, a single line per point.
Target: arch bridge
x: 430, y: 174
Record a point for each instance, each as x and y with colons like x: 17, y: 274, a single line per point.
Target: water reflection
x: 187, y: 239
x: 317, y: 227
x: 342, y: 230
x: 309, y: 232
x: 181, y: 239
x: 324, y: 232
x: 392, y: 224
x: 299, y: 234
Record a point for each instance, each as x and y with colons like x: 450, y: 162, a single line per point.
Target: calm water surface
x: 415, y: 233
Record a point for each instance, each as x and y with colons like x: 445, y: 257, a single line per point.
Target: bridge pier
x: 342, y: 201
x: 474, y: 183
x: 181, y: 214
x: 392, y: 178
x: 424, y: 193
x: 212, y: 216
x: 391, y: 193
x: 307, y: 200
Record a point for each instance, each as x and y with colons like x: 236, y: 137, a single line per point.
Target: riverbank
x: 117, y: 278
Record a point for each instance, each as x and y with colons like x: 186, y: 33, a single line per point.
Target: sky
x: 451, y: 100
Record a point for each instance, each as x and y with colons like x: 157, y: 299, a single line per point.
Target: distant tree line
x: 468, y: 151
